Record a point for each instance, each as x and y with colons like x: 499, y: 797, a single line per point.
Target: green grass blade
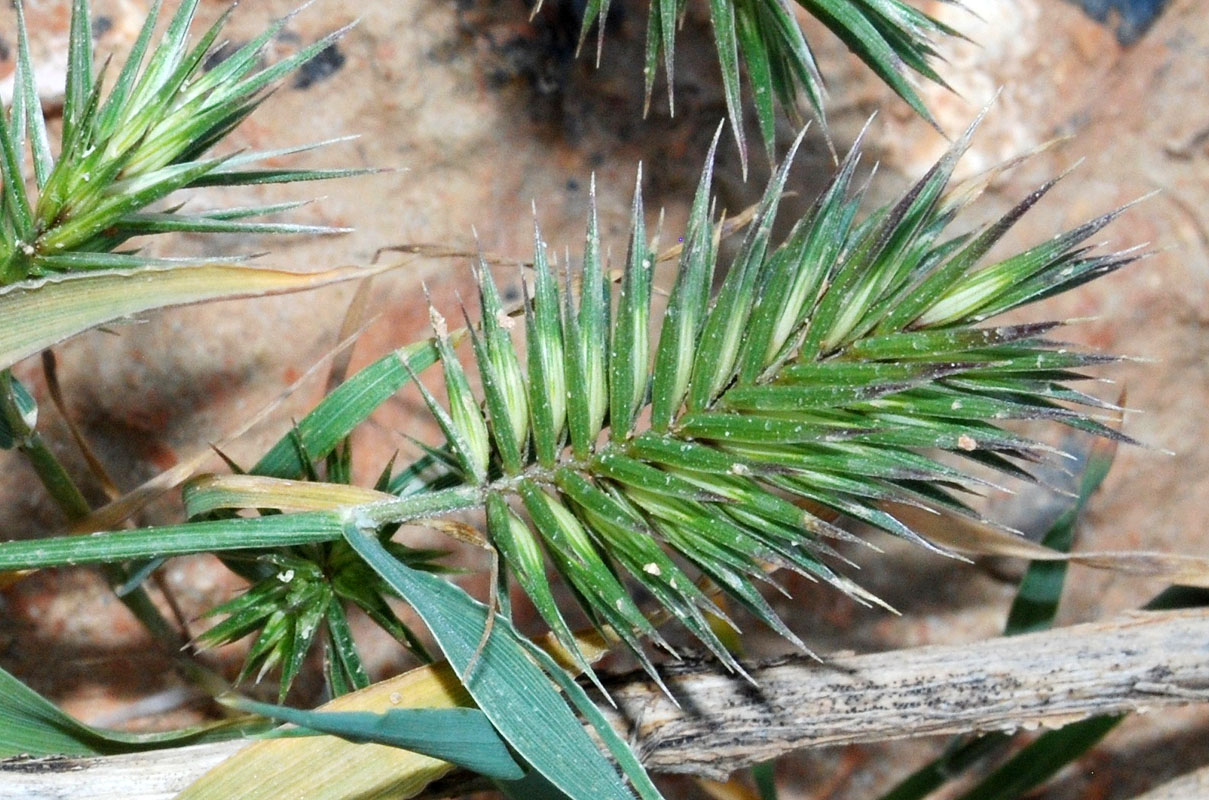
x: 464, y: 414
x: 148, y: 222
x: 631, y: 472
x: 344, y: 659
x: 284, y: 67
x: 511, y: 690
x: 847, y: 21
x: 594, y: 323
x: 956, y: 267
x: 547, y: 387
x: 725, y: 324
x: 240, y: 533
x: 501, y: 430
x: 520, y: 551
x: 533, y: 786
x: 505, y: 371
x: 259, y: 177
x: 984, y: 287
x: 124, y: 197
x: 763, y: 774
x: 166, y: 56
x: 33, y: 726
x: 748, y: 428
x: 618, y: 748
x: 172, y: 540
x: 116, y: 105
x: 944, y: 343
x: 1042, y: 759
x: 239, y: 63
x: 455, y: 442
x: 667, y: 43
x: 579, y: 414
x: 959, y: 757
x: 15, y: 202
x: 754, y: 47
x: 461, y: 736
x: 651, y: 64
x: 345, y: 408
x: 1036, y: 601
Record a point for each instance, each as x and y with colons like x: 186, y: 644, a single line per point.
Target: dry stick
x: 1140, y: 661
x: 468, y: 534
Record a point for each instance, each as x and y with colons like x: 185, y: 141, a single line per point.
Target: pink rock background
x: 480, y: 112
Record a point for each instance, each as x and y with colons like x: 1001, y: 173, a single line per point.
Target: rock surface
x: 480, y: 112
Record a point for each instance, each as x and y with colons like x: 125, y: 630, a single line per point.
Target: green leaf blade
x: 514, y: 694
x: 461, y: 736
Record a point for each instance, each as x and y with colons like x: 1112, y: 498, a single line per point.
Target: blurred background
x: 477, y: 111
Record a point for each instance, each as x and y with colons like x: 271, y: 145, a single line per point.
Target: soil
x: 477, y: 112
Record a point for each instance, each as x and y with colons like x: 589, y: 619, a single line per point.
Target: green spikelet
x: 825, y: 372
x: 150, y: 136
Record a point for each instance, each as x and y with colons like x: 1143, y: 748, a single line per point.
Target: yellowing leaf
x: 211, y: 492
x: 275, y: 768
x: 42, y: 313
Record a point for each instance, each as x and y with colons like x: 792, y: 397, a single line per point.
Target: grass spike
x: 807, y: 392
x: 749, y: 407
